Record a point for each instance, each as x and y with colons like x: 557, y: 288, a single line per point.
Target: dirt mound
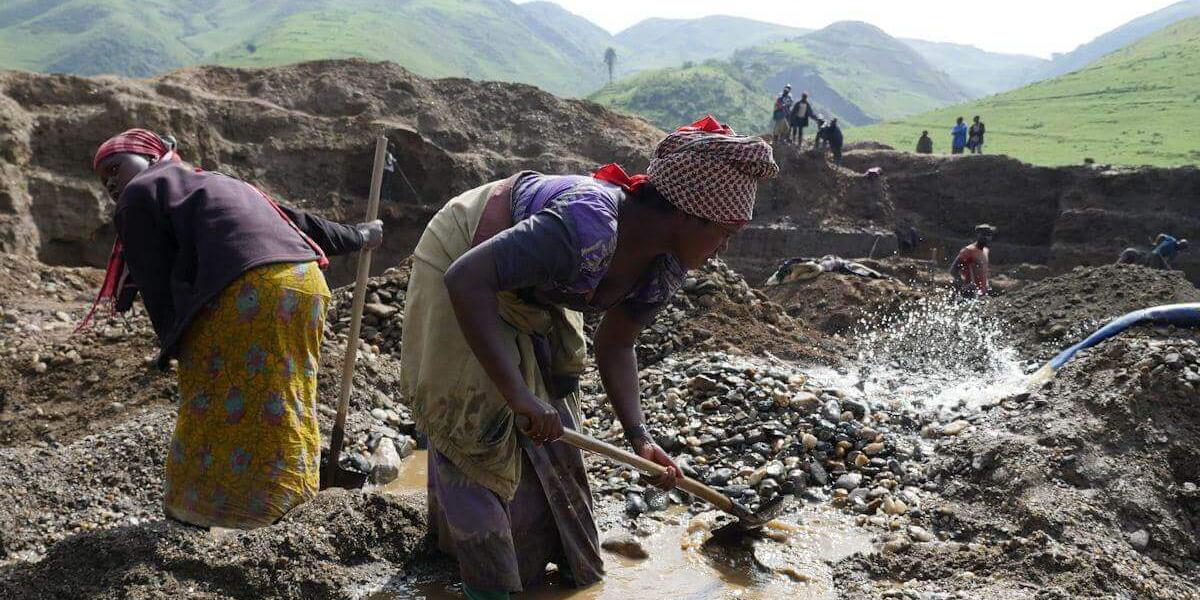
x: 1050, y: 315
x: 836, y: 302
x: 1086, y: 488
x: 301, y: 132
x: 328, y: 548
x: 1056, y: 216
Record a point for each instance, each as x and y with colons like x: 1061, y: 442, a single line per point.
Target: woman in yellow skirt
x: 232, y: 284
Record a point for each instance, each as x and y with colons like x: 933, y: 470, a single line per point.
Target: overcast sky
x: 1037, y: 27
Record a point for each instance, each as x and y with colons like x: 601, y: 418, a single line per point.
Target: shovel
x: 334, y: 474
x: 747, y: 523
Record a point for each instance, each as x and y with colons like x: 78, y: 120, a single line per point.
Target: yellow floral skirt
x: 246, y: 448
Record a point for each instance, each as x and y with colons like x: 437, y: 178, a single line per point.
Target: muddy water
x: 791, y: 561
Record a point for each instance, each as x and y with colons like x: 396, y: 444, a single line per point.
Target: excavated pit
x: 1085, y: 487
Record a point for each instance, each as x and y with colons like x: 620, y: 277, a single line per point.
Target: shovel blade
x: 334, y: 475
x: 748, y: 523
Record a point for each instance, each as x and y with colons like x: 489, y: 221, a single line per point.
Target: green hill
x: 658, y: 43
x: 852, y: 70
x: 978, y: 72
x: 1119, y: 38
x: 538, y: 43
x: 1139, y: 105
x: 484, y: 39
x: 479, y: 39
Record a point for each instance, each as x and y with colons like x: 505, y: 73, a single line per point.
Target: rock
x: 627, y: 546
x: 385, y: 463
x: 892, y: 506
x: 382, y: 311
x: 379, y: 414
x: 405, y: 446
x: 1139, y: 539
x: 819, y: 474
x: 635, y: 504
x: 955, y: 428
x: 920, y: 534
x: 848, y: 482
x: 810, y: 441
x: 873, y: 448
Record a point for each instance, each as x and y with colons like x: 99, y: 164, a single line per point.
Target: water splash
x: 938, y: 352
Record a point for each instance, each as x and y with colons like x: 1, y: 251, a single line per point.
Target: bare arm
x: 472, y: 284
x: 617, y: 363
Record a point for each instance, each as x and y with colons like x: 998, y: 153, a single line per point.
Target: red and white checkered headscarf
x: 706, y: 170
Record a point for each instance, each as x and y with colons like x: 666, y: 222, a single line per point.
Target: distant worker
x: 832, y: 134
x: 1161, y: 256
x: 779, y: 119
x: 925, y: 144
x: 958, y: 137
x: 975, y: 136
x: 970, y: 269
x: 802, y: 111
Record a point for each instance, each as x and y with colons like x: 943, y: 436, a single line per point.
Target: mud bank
x: 340, y: 545
x: 1056, y: 216
x: 302, y: 133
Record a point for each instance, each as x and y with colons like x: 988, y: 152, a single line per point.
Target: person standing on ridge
x: 802, y: 111
x: 831, y: 134
x: 779, y: 118
x: 958, y: 137
x: 975, y: 136
x: 925, y: 143
x: 971, y: 268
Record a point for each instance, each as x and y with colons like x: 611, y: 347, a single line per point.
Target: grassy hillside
x: 658, y: 43
x: 1140, y: 105
x: 852, y: 70
x: 1120, y: 37
x: 485, y: 39
x: 672, y: 97
x: 977, y: 72
x: 480, y: 39
x: 538, y: 43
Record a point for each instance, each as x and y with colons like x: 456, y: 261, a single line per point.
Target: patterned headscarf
x: 136, y: 141
x: 705, y: 170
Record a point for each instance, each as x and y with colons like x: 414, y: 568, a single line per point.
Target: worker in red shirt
x: 970, y: 269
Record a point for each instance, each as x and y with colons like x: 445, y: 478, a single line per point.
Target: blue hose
x: 1182, y: 315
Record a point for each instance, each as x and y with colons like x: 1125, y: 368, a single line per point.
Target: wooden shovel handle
x: 595, y: 446
x: 337, y: 436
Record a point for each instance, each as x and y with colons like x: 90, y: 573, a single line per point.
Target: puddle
x: 797, y: 564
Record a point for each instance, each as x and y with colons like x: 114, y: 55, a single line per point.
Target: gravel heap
x: 95, y: 482
x: 1054, y: 313
x: 756, y: 431
x: 383, y: 312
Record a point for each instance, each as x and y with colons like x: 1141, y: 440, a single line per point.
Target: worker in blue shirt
x: 958, y: 137
x: 1166, y: 247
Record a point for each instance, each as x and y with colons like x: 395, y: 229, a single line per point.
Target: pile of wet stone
x: 755, y: 431
x: 383, y: 311
x: 703, y: 290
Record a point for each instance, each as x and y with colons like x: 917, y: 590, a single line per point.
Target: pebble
x: 1139, y: 539
x: 848, y: 482
x: 627, y: 546
x: 385, y: 463
x: 920, y: 534
x: 955, y: 428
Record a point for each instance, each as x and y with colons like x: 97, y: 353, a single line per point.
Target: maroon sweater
x: 188, y: 235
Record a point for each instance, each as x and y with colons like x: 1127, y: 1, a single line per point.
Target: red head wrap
x: 137, y: 141
x: 705, y: 169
